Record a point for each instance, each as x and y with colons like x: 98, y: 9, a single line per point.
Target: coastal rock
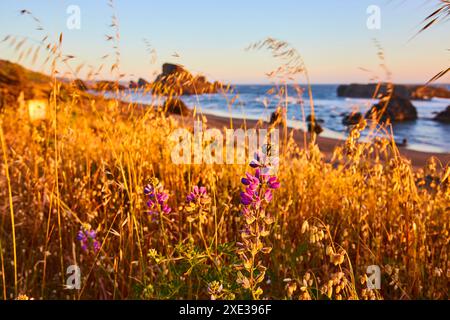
x: 316, y: 128
x: 317, y: 120
x: 80, y: 85
x: 403, y: 143
x: 176, y: 106
x: 352, y: 119
x: 105, y: 85
x: 142, y: 83
x: 443, y: 116
x: 428, y: 92
x: 368, y: 91
x: 176, y: 81
x: 392, y: 109
x: 276, y: 117
x: 170, y: 68
x: 133, y: 85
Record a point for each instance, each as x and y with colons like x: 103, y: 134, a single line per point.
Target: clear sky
x: 210, y: 36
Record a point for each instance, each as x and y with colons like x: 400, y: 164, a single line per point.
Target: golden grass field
x: 86, y: 167
x: 83, y: 168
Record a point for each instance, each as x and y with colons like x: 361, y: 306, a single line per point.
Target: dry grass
x: 331, y: 220
x: 85, y: 168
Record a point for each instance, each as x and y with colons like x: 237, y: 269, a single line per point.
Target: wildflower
x: 266, y: 160
x: 157, y: 198
x: 257, y: 195
x: 87, y: 237
x: 273, y: 183
x: 198, y: 196
x: 253, y: 183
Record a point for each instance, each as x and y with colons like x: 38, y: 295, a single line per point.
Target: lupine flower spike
x: 198, y: 196
x: 87, y: 238
x: 257, y: 195
x: 197, y: 201
x: 157, y: 198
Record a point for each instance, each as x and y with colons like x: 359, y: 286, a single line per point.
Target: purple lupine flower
x: 255, y: 199
x: 256, y: 183
x: 148, y: 189
x: 268, y: 195
x: 157, y: 199
x: 265, y: 162
x: 273, y: 182
x: 88, y: 239
x: 246, y: 198
x: 251, y: 181
x: 198, y: 195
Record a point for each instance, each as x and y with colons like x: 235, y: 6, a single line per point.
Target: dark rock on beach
x: 314, y: 126
x: 392, y: 109
x: 142, y: 83
x: 133, y: 85
x: 276, y: 117
x: 403, y: 143
x: 80, y: 85
x: 106, y: 85
x: 317, y: 120
x: 176, y: 81
x: 176, y: 106
x: 317, y: 128
x: 443, y: 116
x: 352, y: 119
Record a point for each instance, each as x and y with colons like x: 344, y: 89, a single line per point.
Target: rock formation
x: 443, y: 116
x: 314, y: 126
x: 176, y: 106
x: 392, y: 109
x: 105, y: 85
x: 415, y: 92
x: 176, y: 81
x: 352, y: 119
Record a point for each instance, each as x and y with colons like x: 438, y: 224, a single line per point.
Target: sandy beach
x: 326, y: 145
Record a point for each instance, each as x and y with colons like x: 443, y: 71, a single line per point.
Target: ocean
x: 254, y: 102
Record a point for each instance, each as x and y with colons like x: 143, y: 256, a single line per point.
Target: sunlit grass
x: 82, y: 165
x: 331, y: 220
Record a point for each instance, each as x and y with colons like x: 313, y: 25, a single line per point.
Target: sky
x: 210, y: 37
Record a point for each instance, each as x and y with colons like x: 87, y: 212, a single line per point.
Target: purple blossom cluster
x: 88, y: 240
x: 259, y: 186
x: 255, y: 198
x: 198, y: 196
x: 157, y: 200
x: 266, y: 162
x: 255, y: 191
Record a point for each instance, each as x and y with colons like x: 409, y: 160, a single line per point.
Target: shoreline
x: 327, y: 145
x: 437, y: 145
